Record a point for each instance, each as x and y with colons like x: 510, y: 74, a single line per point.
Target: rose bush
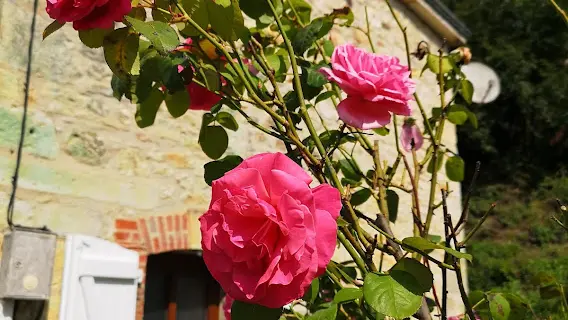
x: 376, y: 86
x: 267, y: 234
x: 88, y: 14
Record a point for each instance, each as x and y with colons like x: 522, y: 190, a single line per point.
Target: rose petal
x: 265, y: 162
x: 363, y: 114
x: 326, y: 238
x: 240, y: 179
x: 327, y: 198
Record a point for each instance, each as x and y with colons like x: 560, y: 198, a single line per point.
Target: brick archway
x: 152, y: 235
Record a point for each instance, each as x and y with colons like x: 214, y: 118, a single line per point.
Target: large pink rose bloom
x: 88, y: 14
x: 376, y: 85
x: 267, y: 234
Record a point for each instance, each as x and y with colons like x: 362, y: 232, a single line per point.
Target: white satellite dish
x: 486, y: 83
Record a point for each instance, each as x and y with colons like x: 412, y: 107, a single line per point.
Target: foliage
x: 223, y: 66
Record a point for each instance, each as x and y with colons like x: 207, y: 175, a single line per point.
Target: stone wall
x: 87, y: 165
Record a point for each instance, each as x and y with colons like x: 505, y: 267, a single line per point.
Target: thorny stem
x: 307, y: 120
x: 239, y: 71
x: 451, y: 234
x: 465, y: 211
x: 368, y: 33
x: 356, y: 257
x: 435, y: 142
x: 477, y: 226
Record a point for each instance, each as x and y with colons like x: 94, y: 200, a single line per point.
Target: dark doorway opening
x: 179, y: 287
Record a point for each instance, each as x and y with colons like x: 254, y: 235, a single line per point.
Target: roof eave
x: 438, y: 17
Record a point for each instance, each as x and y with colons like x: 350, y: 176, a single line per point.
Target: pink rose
x: 200, y: 97
x: 267, y: 234
x: 88, y: 14
x: 411, y: 134
x: 227, y: 307
x: 376, y: 85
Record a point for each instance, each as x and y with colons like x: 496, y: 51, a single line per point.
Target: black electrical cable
x: 10, y: 210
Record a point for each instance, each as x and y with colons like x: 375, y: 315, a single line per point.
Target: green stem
x: 356, y: 257
x: 369, y: 30
x: 477, y: 226
x: 239, y: 71
x: 436, y: 145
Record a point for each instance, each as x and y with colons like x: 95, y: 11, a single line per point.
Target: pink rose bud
x: 376, y: 86
x: 267, y: 233
x: 411, y: 136
x: 201, y: 98
x: 88, y: 14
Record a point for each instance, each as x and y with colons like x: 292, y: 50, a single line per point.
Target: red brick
x: 121, y: 236
x: 122, y: 224
x: 185, y: 243
x: 145, y: 234
x: 135, y: 237
x: 171, y: 243
x: 142, y: 259
x: 151, y: 223
x: 155, y: 245
x: 185, y: 225
x: 178, y: 223
x: 162, y: 232
x: 170, y: 220
x: 179, y: 242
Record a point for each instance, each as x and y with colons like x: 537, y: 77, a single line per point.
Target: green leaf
x: 158, y: 15
x: 303, y: 8
x: 223, y: 3
x: 312, y: 292
x: 421, y: 273
x: 315, y: 78
x: 550, y: 291
x: 455, y: 167
x: 324, y: 314
x: 121, y: 50
x: 197, y: 10
x: 324, y: 96
x: 147, y: 110
x: 472, y: 119
x: 439, y: 162
x: 433, y: 63
x: 347, y: 294
x: 227, y: 120
x: 246, y: 311
x: 392, y: 204
x: 360, y: 196
x: 328, y: 48
x: 138, y: 13
x: 119, y: 87
x: 214, y: 141
x: 217, y: 169
x: 457, y: 114
x: 51, y: 28
x: 394, y: 295
x: 228, y: 21
x: 499, y: 307
x: 160, y: 34
x: 425, y: 244
x: 349, y: 169
x: 466, y: 90
x: 306, y: 37
x: 382, y: 131
x: 178, y: 103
